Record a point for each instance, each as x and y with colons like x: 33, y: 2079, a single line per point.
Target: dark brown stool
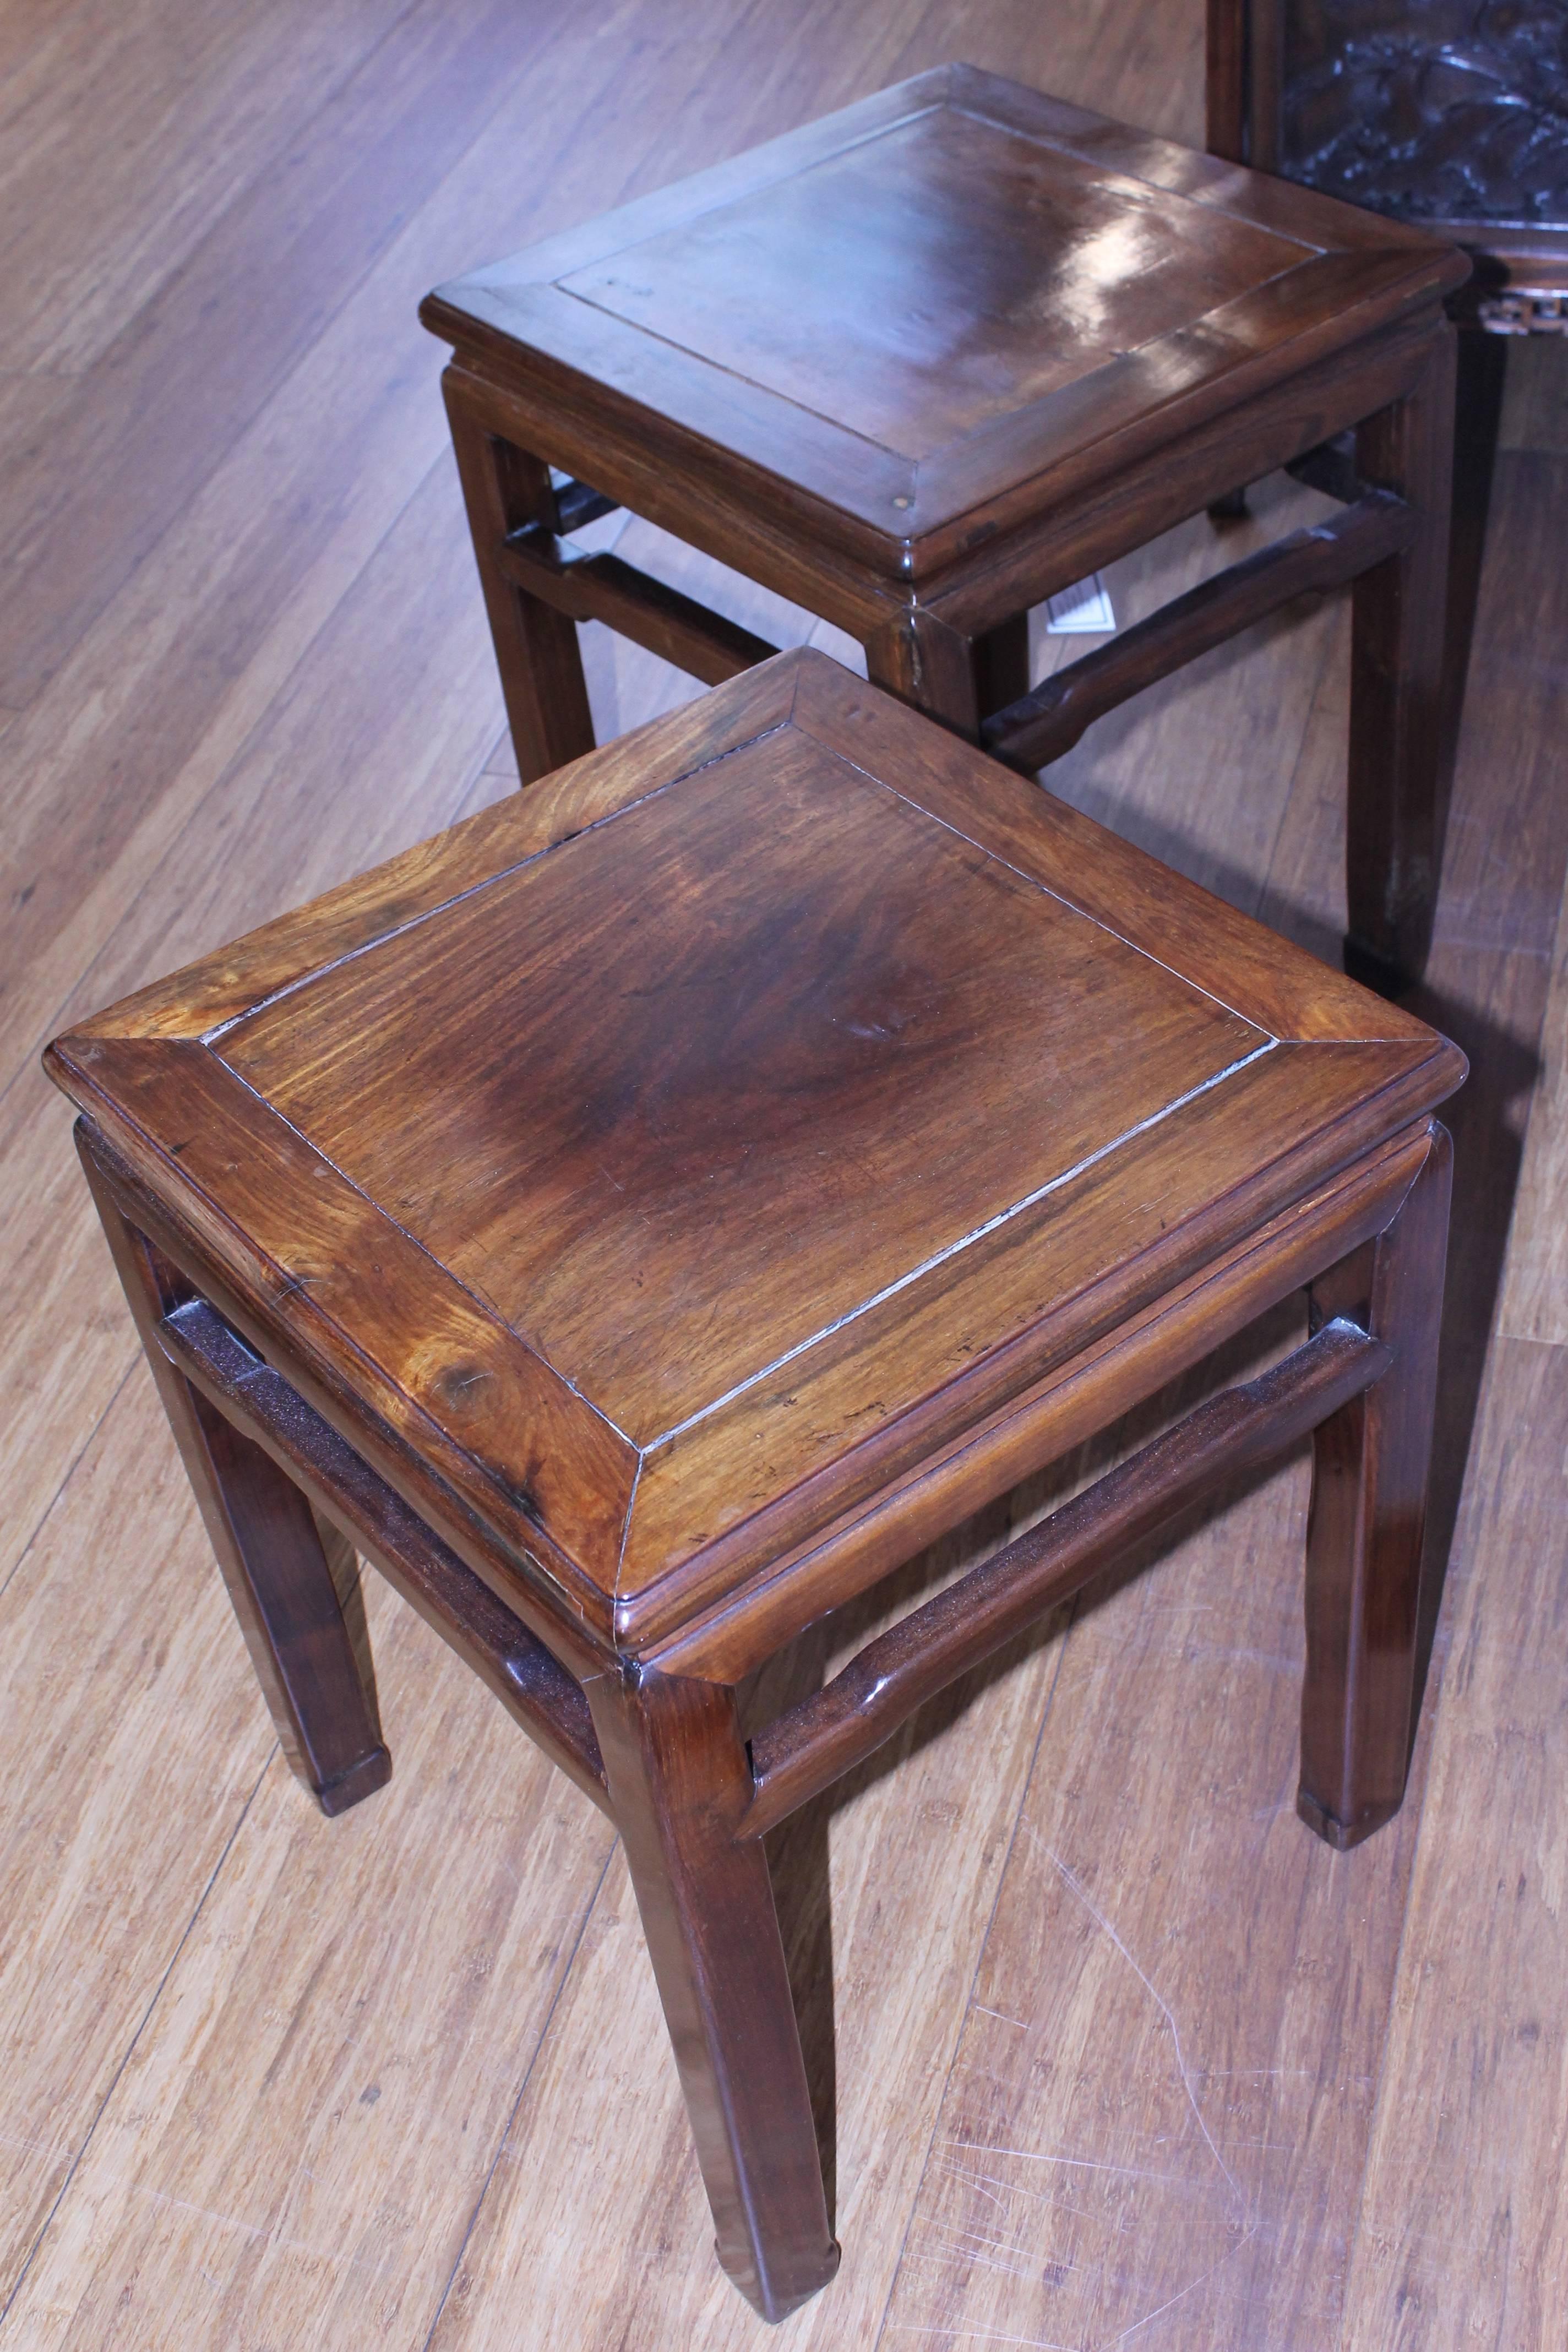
x: 645, y: 1217
x: 935, y: 358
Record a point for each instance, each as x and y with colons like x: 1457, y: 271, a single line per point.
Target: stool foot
x: 679, y: 1784
x: 363, y: 1780
x: 1365, y: 1530
x: 320, y: 1696
x: 1341, y: 1835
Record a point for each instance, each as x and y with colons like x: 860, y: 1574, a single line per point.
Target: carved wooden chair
x: 1452, y: 115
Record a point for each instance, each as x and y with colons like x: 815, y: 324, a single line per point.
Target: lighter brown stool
x: 645, y: 1217
x: 931, y: 360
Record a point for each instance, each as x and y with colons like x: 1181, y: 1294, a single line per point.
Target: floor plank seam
x: 564, y: 1978
x: 941, y: 2099
x: 265, y: 719
x: 74, y: 1464
x: 1431, y: 1713
x: 1261, y: 897
x: 291, y: 134
x: 129, y: 2050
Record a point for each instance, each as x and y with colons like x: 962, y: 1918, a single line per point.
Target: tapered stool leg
x: 1368, y: 1520
x: 679, y: 1784
x: 269, y: 1551
x: 1400, y: 761
x: 541, y: 665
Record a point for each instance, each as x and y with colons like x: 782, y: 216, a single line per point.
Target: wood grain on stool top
x: 962, y: 1080
x: 1019, y: 297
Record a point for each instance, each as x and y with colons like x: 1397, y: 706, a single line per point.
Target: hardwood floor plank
x: 164, y: 689
x: 69, y: 1340
x: 133, y: 1737
x: 205, y: 631
x: 36, y: 36
x: 307, y: 2120
x: 30, y: 407
x: 1198, y: 769
x: 597, y: 2209
x: 1535, y: 396
x: 1535, y: 1294
x: 1156, y: 2120
x: 1463, y: 2230
x: 155, y: 116
x: 341, y: 773
x: 185, y: 376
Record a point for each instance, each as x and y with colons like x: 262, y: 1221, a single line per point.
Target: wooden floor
x: 1133, y: 2060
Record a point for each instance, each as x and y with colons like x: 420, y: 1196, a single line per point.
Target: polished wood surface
x: 276, y: 671
x: 1041, y: 724
x: 801, y: 1753
x: 342, y: 1490
x: 1021, y: 297
x: 699, y: 1089
x: 1057, y: 713
x: 269, y: 1549
x: 513, y: 1199
x: 1040, y: 320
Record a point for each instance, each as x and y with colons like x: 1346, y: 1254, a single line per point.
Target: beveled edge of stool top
x: 680, y: 335
x: 992, y: 1225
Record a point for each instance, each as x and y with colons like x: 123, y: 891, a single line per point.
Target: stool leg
x: 1400, y: 762
x: 537, y: 653
x: 269, y: 1551
x: 959, y: 680
x: 1370, y: 1464
x: 679, y: 1783
x: 1001, y: 665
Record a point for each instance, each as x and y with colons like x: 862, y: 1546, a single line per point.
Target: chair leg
x: 1365, y: 1531
x: 680, y: 1782
x: 537, y: 651
x: 959, y: 680
x: 1400, y: 758
x: 270, y: 1550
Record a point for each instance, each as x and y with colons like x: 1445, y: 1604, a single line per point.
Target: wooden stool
x: 935, y: 358
x: 644, y: 1216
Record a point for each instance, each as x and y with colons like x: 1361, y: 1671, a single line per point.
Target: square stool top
x: 935, y: 313
x: 697, y: 1144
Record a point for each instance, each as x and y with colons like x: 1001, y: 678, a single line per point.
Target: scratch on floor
x: 944, y: 2257
x: 983, y: 2336
x: 988, y: 2183
x: 1071, y: 1880
x: 55, y: 2150
x: 274, y: 2236
x: 1078, y: 2163
x: 1181, y: 2293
